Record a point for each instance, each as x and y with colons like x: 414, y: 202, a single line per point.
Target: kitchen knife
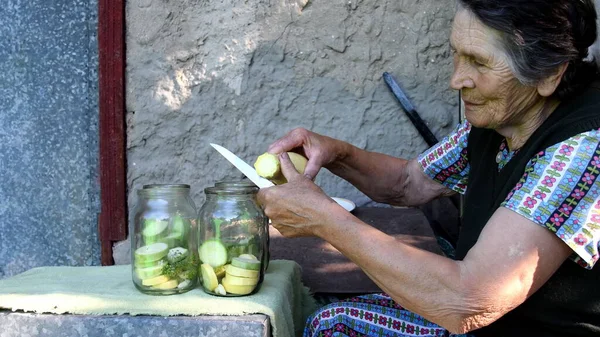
x: 241, y: 165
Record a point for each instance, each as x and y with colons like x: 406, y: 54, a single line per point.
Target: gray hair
x: 540, y: 35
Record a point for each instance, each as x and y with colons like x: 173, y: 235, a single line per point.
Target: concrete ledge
x: 17, y: 324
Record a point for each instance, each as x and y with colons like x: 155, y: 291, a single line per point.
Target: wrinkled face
x: 493, y: 96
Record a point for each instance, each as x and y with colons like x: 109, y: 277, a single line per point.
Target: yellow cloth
x: 110, y: 290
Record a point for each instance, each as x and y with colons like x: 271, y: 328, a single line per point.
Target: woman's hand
x: 320, y: 150
x: 299, y: 207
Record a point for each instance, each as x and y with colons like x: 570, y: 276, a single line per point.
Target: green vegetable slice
x: 180, y: 224
x: 249, y: 264
x: 213, y: 252
x: 147, y: 264
x: 149, y: 253
x: 172, y: 240
x: 149, y: 272
x: 248, y: 256
x: 153, y: 229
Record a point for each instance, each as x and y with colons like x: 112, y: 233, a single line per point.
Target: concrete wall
x: 243, y: 73
x: 48, y: 134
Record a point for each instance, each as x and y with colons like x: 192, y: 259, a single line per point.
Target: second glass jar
x: 233, y: 241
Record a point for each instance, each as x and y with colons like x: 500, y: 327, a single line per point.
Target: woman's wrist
x: 343, y: 152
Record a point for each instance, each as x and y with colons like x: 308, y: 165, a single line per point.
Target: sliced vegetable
x: 147, y: 264
x: 172, y: 240
x: 248, y: 256
x: 241, y: 281
x: 171, y: 284
x: 236, y: 271
x: 209, y: 278
x: 149, y: 253
x: 153, y: 229
x: 149, y: 272
x: 236, y: 289
x: 213, y: 252
x: 155, y: 280
x: 179, y: 224
x: 250, y: 264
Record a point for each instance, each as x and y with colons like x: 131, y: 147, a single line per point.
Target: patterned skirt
x: 370, y: 315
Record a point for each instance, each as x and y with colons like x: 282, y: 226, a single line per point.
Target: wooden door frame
x: 112, y: 220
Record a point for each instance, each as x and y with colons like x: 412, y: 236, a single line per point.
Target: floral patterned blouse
x: 559, y: 189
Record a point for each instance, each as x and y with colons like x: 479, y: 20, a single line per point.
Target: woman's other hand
x: 299, y: 207
x: 320, y: 150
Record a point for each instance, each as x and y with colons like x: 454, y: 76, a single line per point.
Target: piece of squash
x: 267, y: 165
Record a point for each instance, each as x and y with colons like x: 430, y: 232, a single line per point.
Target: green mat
x: 109, y: 291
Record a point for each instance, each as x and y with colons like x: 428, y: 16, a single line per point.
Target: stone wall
x: 243, y: 73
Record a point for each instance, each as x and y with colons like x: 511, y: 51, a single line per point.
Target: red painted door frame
x: 112, y: 222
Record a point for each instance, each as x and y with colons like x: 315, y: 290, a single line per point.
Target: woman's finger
x: 292, y: 140
x: 262, y: 196
x: 312, y: 168
x: 287, y: 167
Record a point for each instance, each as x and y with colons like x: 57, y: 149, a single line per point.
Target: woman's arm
x: 511, y: 260
x: 387, y: 179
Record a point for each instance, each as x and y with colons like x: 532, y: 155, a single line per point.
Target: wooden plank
x: 113, y: 184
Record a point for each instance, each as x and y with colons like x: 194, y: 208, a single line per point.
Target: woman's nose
x: 460, y: 77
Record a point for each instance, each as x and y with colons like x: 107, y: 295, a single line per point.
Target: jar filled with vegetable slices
x: 247, y: 184
x: 164, y: 243
x: 233, y: 240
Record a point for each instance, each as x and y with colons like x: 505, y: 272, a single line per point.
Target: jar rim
x: 235, y: 183
x: 163, y: 190
x: 230, y: 190
x: 165, y: 186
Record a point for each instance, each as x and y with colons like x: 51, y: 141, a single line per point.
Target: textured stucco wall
x: 243, y: 73
x: 48, y: 134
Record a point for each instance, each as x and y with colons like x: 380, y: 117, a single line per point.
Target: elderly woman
x: 527, y: 161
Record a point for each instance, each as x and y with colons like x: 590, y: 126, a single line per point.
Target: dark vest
x: 569, y: 303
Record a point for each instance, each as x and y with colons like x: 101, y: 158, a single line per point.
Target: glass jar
x: 164, y: 246
x: 233, y: 239
x: 247, y: 184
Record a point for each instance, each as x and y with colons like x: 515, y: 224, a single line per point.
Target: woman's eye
x: 478, y: 63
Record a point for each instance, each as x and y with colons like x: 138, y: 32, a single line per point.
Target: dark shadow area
x: 326, y: 270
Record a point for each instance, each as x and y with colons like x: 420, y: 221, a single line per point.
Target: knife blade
x: 241, y: 165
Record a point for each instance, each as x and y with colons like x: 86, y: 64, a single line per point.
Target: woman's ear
x: 547, y: 86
